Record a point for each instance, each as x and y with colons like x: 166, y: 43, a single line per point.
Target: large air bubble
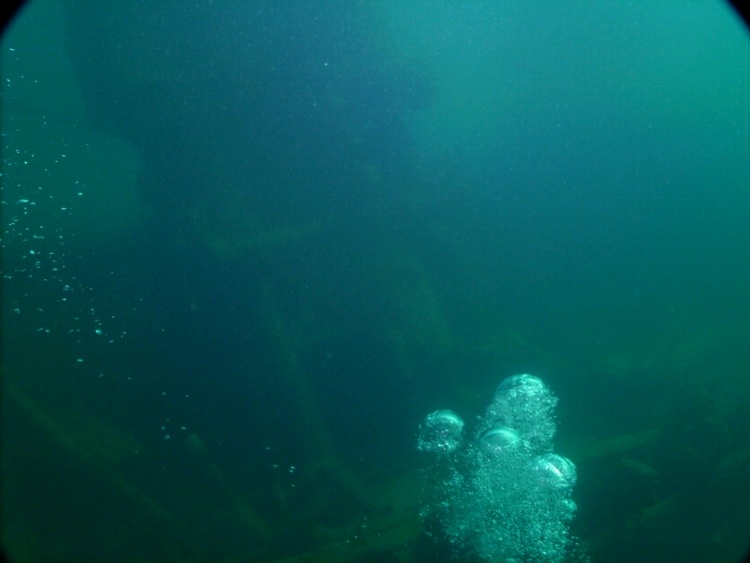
x: 553, y: 471
x: 440, y: 432
x: 525, y: 404
x: 500, y: 441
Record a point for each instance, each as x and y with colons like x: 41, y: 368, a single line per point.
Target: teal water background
x: 247, y: 247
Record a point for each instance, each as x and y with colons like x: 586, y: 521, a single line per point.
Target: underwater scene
x: 395, y: 281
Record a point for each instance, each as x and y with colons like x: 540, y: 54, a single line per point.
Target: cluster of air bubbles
x: 503, y: 496
x: 44, y: 291
x: 54, y: 294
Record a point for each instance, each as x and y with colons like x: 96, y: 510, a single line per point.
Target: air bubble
x: 440, y: 432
